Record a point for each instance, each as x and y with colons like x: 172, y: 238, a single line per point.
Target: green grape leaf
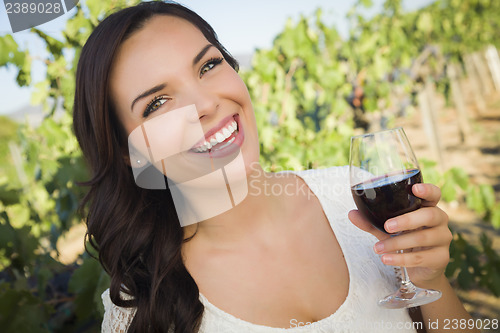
x: 448, y: 191
x: 495, y: 216
x: 367, y: 3
x: 460, y: 177
x: 465, y: 278
x: 488, y: 196
x: 84, y: 284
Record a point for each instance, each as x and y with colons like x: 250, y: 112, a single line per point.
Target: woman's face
x: 173, y: 87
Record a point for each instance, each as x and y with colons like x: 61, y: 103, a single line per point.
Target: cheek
x: 231, y: 86
x: 167, y: 135
x: 243, y: 93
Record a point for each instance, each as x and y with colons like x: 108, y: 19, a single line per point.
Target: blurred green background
x: 312, y: 89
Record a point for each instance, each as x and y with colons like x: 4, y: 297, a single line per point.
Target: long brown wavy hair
x: 136, y: 231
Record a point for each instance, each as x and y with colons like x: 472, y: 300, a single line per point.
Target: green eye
x: 209, y: 65
x: 206, y: 68
x: 154, y: 105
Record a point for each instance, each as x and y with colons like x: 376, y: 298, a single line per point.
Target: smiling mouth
x: 220, y: 139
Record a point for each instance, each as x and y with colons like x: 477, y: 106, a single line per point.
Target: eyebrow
x: 147, y: 93
x: 201, y: 54
x: 159, y: 87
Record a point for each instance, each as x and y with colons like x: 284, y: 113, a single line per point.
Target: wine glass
x: 382, y: 170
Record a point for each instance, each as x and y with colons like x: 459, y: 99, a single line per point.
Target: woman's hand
x: 425, y: 238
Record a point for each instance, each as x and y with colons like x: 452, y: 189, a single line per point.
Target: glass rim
x: 382, y: 131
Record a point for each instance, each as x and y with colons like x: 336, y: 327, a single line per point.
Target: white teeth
x: 225, y: 144
x: 219, y: 137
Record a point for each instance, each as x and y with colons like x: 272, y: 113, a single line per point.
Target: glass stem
x: 406, y: 285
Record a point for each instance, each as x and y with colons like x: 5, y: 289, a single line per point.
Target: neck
x: 261, y: 210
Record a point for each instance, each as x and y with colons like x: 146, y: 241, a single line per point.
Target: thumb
x: 362, y: 223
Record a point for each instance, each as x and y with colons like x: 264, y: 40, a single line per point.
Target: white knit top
x: 369, y: 281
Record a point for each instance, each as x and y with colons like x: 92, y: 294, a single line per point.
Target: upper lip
x: 214, y: 130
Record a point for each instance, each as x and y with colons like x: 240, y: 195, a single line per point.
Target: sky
x: 241, y: 26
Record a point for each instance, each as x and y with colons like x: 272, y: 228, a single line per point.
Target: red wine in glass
x: 387, y: 196
x: 382, y: 171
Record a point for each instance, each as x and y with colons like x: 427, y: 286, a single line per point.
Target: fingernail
x: 379, y: 247
x: 391, y: 225
x: 419, y: 188
x: 387, y: 259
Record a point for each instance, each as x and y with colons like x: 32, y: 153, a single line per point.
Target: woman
x: 273, y: 259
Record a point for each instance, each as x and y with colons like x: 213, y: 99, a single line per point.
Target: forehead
x: 164, y: 32
x: 163, y: 48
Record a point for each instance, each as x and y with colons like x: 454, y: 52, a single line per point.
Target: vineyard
x: 434, y: 71
x: 480, y: 158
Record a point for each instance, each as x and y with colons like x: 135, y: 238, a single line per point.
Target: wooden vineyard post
x: 484, y: 77
x: 494, y: 65
x: 475, y: 85
x: 426, y: 103
x: 458, y: 100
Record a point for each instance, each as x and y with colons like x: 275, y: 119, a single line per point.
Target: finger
x: 433, y: 258
x: 424, y: 217
x: 429, y: 193
x: 424, y: 238
x: 362, y: 223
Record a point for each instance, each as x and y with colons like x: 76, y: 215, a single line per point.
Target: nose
x: 205, y: 99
